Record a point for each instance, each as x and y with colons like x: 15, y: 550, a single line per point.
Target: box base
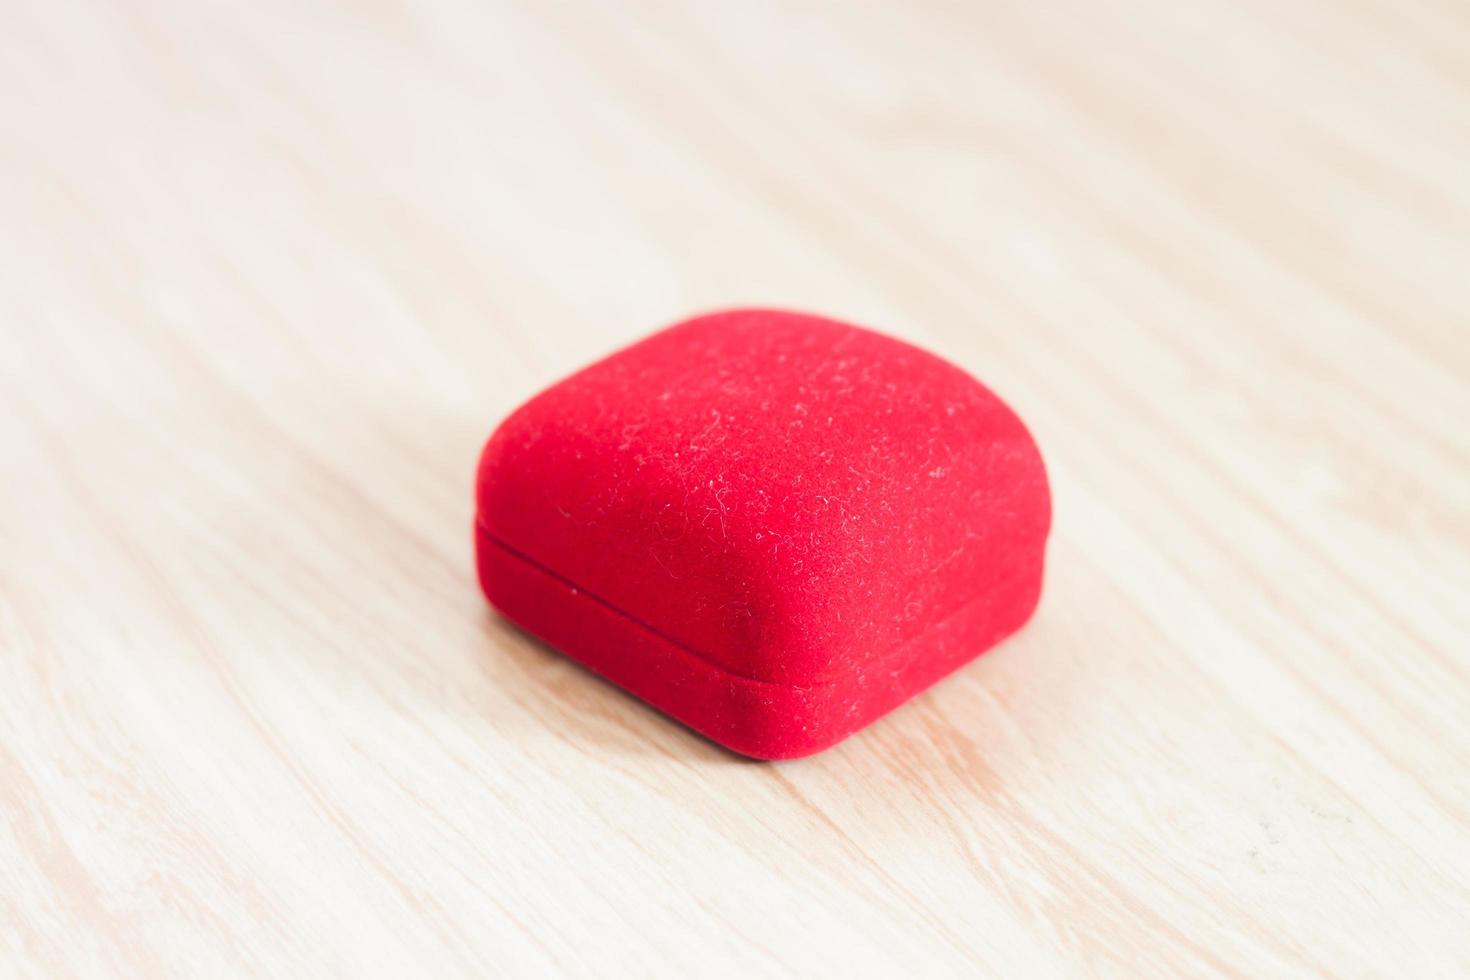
x: 752, y: 717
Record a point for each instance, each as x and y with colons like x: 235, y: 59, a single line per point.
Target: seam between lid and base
x: 878, y: 664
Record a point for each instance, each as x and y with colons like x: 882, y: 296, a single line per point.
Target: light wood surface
x: 270, y: 272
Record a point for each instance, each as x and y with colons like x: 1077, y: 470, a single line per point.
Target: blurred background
x: 271, y: 272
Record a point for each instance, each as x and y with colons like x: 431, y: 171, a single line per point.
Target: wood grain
x: 270, y: 272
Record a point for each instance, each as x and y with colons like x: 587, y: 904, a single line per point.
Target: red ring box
x: 773, y: 527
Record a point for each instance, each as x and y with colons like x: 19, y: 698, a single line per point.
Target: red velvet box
x: 774, y: 527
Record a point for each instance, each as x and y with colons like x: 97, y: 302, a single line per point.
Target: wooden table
x: 270, y: 273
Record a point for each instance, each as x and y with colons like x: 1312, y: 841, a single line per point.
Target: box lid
x: 786, y: 496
